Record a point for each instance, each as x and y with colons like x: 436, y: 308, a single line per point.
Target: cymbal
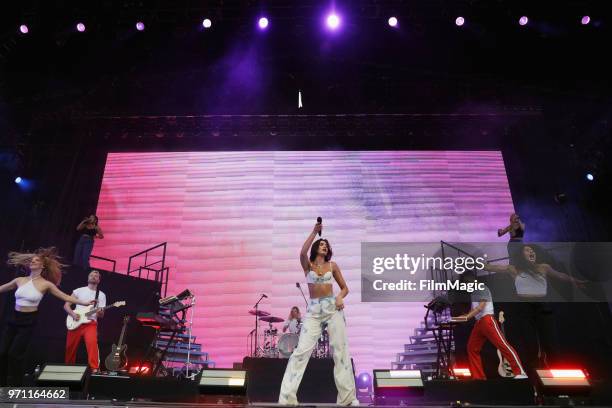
x: 259, y: 313
x: 271, y: 319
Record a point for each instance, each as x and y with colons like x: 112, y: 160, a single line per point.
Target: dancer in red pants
x: 487, y: 328
x: 87, y: 331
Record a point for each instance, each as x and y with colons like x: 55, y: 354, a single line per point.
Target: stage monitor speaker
x: 557, y: 385
x: 223, y: 381
x: 394, y: 386
x: 62, y: 375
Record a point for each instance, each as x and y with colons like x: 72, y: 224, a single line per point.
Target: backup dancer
x: 45, y: 274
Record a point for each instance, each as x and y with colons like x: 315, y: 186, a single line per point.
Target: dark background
x: 539, y: 93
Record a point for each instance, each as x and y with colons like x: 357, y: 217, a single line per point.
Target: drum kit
x: 273, y: 346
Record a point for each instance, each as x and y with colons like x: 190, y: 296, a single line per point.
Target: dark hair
x: 522, y: 264
x: 96, y: 217
x: 315, y: 248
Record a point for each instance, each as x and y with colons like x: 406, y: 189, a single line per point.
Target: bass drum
x: 287, y: 343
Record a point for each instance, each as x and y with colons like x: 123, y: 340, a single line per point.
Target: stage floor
x: 137, y: 404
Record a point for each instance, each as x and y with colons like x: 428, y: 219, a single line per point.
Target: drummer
x: 294, y: 322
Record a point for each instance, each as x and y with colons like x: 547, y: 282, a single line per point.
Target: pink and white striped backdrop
x: 235, y: 221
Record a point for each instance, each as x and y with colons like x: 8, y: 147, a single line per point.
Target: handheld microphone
x: 297, y: 284
x: 319, y: 221
x: 264, y: 295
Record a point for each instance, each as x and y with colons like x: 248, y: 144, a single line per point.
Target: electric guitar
x: 86, y: 313
x: 504, y: 368
x: 117, y: 359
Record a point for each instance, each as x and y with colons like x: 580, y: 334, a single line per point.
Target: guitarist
x: 87, y: 331
x: 487, y: 328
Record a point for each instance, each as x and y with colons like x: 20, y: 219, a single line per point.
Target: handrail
x: 456, y: 248
x: 161, y: 273
x: 107, y: 260
x: 146, y: 252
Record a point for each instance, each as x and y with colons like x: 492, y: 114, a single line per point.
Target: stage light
x: 523, y: 20
x: 24, y: 29
x: 585, y: 20
x: 80, y: 27
x: 332, y: 21
x: 364, y: 380
x: 461, y: 372
x: 140, y: 26
x: 565, y: 385
x: 207, y: 23
x: 590, y: 177
x: 18, y: 180
x: 459, y: 21
x: 263, y: 23
x: 393, y: 21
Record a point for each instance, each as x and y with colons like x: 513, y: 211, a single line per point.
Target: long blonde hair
x: 52, y: 267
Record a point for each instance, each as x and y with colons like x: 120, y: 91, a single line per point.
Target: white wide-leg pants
x: 320, y: 311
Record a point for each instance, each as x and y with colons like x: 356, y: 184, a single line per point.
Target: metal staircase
x: 421, y: 353
x: 181, y: 349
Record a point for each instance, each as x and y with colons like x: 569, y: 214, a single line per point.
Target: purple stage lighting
x: 80, y: 27
x: 207, y: 23
x: 523, y: 20
x: 585, y: 20
x: 24, y: 29
x: 364, y: 380
x: 140, y: 26
x: 459, y: 21
x: 332, y: 21
x: 18, y: 180
x: 263, y: 23
x: 393, y: 21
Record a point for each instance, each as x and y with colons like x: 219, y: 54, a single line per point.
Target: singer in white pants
x: 323, y: 308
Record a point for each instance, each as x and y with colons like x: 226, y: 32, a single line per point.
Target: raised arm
x: 503, y: 231
x: 500, y: 268
x: 7, y: 287
x: 344, y: 290
x: 304, y: 252
x: 550, y: 271
x: 82, y: 224
x: 99, y: 233
x: 66, y: 298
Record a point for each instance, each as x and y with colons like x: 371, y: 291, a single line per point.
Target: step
x: 177, y: 335
x: 181, y: 345
x: 181, y: 352
x: 208, y: 363
x: 421, y: 338
x: 423, y: 352
x: 419, y: 360
x: 420, y: 346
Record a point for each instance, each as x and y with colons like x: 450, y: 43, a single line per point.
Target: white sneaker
x: 355, y: 403
x: 520, y: 377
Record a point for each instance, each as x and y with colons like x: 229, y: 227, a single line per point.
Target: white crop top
x: 527, y: 284
x: 313, y: 277
x: 27, y: 295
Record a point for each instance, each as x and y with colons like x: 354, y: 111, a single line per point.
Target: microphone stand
x: 192, y: 306
x: 302, y: 292
x: 256, y: 307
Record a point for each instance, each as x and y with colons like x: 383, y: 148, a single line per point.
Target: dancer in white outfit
x: 323, y: 308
